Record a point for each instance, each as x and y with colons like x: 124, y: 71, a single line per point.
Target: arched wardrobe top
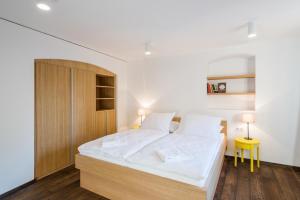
x: 77, y: 65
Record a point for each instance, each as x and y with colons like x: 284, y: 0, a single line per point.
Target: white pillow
x: 200, y: 125
x: 158, y: 121
x: 173, y: 126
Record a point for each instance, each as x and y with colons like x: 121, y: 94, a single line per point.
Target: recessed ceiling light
x: 147, y: 51
x: 251, y: 35
x: 43, y: 6
x: 251, y: 30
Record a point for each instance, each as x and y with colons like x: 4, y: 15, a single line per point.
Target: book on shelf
x: 212, y: 88
x: 209, y: 89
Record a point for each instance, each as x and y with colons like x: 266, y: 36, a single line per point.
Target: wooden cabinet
x: 110, y: 121
x: 101, y: 123
x: 68, y: 112
x: 105, y: 122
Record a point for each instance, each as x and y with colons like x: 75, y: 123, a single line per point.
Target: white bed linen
x: 202, y: 183
x: 131, y: 141
x: 201, y: 149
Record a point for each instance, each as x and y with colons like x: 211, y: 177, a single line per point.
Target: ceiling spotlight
x: 251, y: 30
x: 43, y: 6
x: 147, y: 51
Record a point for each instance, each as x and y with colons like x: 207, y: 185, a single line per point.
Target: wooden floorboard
x: 270, y: 182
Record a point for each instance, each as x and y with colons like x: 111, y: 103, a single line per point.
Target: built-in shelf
x: 105, y: 92
x: 104, y: 98
x: 231, y: 77
x: 233, y: 93
x: 104, y: 86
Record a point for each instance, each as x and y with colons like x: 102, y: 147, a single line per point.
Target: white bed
x: 196, y: 171
x: 202, y: 171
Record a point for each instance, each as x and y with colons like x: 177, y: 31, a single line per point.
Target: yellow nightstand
x: 243, y: 144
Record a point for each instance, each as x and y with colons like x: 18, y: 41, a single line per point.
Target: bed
x: 133, y: 179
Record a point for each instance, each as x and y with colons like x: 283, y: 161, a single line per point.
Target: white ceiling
x: 121, y: 27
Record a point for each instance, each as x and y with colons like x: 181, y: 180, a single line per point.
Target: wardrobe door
x: 53, y: 120
x: 84, y: 107
x: 110, y: 121
x: 100, y: 123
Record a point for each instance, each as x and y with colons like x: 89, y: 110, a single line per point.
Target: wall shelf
x: 231, y: 77
x: 104, y: 86
x: 232, y: 93
x: 104, y: 98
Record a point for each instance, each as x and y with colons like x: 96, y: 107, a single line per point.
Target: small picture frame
x: 222, y: 87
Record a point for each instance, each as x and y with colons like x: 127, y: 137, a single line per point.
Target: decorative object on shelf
x: 222, y: 87
x: 141, y: 113
x: 248, y: 118
x: 211, y: 88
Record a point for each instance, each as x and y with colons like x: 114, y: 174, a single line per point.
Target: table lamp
x: 141, y: 113
x: 248, y: 118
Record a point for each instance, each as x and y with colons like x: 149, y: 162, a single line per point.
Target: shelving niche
x: 105, y: 92
x: 238, y: 72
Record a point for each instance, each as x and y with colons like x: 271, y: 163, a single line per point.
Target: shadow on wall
x: 297, y: 143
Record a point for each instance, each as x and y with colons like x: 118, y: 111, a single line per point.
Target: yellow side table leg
x: 242, y: 156
x: 257, y: 152
x: 251, y: 159
x: 235, y: 157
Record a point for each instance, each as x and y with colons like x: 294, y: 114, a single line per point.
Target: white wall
x: 18, y: 49
x: 179, y: 84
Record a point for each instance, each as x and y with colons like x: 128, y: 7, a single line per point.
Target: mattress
x: 198, y: 171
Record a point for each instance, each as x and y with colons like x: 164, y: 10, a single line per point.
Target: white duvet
x: 130, y: 142
x: 201, y: 151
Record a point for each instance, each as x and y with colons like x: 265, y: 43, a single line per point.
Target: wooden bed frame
x: 118, y: 182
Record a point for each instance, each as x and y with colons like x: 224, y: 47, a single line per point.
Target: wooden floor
x: 270, y: 182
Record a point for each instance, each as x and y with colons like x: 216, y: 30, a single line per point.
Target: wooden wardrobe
x: 74, y: 103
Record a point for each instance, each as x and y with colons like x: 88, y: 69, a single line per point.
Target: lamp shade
x: 141, y: 112
x: 248, y: 118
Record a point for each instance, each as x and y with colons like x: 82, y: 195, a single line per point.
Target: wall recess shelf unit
x: 231, y: 83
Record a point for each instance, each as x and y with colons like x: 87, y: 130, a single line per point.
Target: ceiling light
x: 43, y: 6
x: 251, y: 30
x: 147, y: 51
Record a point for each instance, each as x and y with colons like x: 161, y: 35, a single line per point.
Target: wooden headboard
x: 223, y: 123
